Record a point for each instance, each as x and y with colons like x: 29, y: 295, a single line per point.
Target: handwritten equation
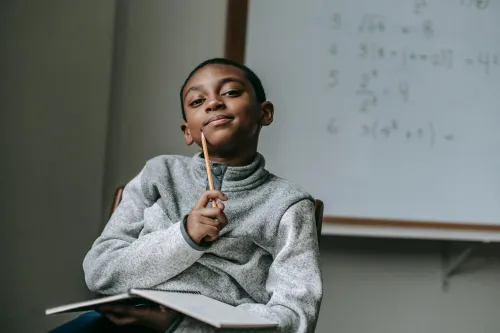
x: 366, y: 91
x: 485, y: 60
x: 381, y: 78
x: 380, y: 130
x: 420, y: 5
x: 406, y: 56
x: 375, y: 23
x: 479, y: 4
x: 371, y: 23
x: 441, y: 58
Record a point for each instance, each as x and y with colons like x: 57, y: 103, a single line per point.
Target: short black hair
x: 249, y: 74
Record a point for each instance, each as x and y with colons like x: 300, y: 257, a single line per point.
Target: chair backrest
x: 318, y: 213
x: 319, y: 217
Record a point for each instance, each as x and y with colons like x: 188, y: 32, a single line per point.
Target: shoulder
x: 159, y: 171
x: 164, y: 164
x: 287, y: 195
x: 283, y: 188
x: 166, y: 160
x: 300, y: 207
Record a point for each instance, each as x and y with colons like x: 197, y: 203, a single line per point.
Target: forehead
x: 212, y: 73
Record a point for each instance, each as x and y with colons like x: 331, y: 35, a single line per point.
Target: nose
x: 214, y: 105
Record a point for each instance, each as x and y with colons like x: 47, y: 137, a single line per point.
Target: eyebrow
x: 221, y: 82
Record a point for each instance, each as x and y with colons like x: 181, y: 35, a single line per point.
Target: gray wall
x: 55, y: 65
x: 56, y: 92
x: 157, y: 44
x: 395, y: 286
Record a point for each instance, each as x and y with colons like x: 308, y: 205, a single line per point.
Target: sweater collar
x: 233, y: 178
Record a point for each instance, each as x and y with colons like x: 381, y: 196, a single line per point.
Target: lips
x: 217, y: 117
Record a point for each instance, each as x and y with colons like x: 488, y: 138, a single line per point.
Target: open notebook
x: 191, y: 304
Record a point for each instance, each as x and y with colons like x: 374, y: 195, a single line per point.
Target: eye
x: 232, y: 93
x: 196, y: 102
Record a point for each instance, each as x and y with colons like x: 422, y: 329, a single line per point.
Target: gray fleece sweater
x: 266, y: 260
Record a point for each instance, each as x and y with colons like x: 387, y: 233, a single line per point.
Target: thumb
x: 220, y: 205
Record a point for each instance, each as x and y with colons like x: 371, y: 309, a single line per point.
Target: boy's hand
x: 157, y: 318
x: 204, y: 223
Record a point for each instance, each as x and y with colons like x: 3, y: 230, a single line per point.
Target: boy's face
x: 221, y: 102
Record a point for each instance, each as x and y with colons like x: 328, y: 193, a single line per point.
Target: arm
x: 120, y: 260
x: 294, y: 279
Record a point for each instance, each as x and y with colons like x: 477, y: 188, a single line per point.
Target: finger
x: 142, y: 312
x: 210, y: 238
x: 119, y: 319
x: 104, y: 308
x: 219, y: 222
x: 221, y: 205
x: 164, y: 309
x: 120, y: 309
x: 209, y: 221
x: 214, y: 213
x: 208, y: 230
x: 213, y: 222
x: 207, y: 196
x: 222, y: 218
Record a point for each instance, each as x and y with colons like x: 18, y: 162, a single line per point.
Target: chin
x: 220, y: 135
x: 221, y: 141
x: 221, y: 145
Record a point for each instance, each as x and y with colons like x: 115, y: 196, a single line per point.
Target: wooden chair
x: 318, y: 213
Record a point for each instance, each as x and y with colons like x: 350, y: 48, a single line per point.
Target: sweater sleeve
x: 294, y: 279
x: 119, y: 259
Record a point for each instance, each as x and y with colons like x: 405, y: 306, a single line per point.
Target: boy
x: 256, y: 250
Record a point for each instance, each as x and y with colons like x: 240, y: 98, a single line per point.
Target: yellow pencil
x: 207, y: 166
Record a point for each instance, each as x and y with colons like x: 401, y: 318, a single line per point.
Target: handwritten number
x: 428, y: 29
x: 336, y: 21
x: 334, y: 49
x: 365, y: 131
x: 334, y: 77
x: 482, y: 4
x: 484, y: 59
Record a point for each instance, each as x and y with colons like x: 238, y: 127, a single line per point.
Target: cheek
x: 246, y: 111
x: 196, y: 135
x: 195, y: 120
x: 194, y: 130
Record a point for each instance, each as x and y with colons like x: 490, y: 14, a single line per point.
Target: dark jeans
x: 94, y: 322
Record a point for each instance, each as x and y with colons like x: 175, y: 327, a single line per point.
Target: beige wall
x: 55, y: 63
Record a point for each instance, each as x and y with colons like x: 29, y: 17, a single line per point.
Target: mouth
x: 218, y: 119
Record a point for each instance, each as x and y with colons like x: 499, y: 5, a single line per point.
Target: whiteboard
x: 385, y: 109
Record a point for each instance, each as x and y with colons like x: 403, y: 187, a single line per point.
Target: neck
x: 240, y: 156
x: 233, y: 160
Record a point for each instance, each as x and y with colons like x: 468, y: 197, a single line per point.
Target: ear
x: 187, y: 134
x: 266, y: 113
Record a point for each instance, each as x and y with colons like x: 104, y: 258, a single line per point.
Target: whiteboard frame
x: 391, y: 228
x: 235, y: 48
